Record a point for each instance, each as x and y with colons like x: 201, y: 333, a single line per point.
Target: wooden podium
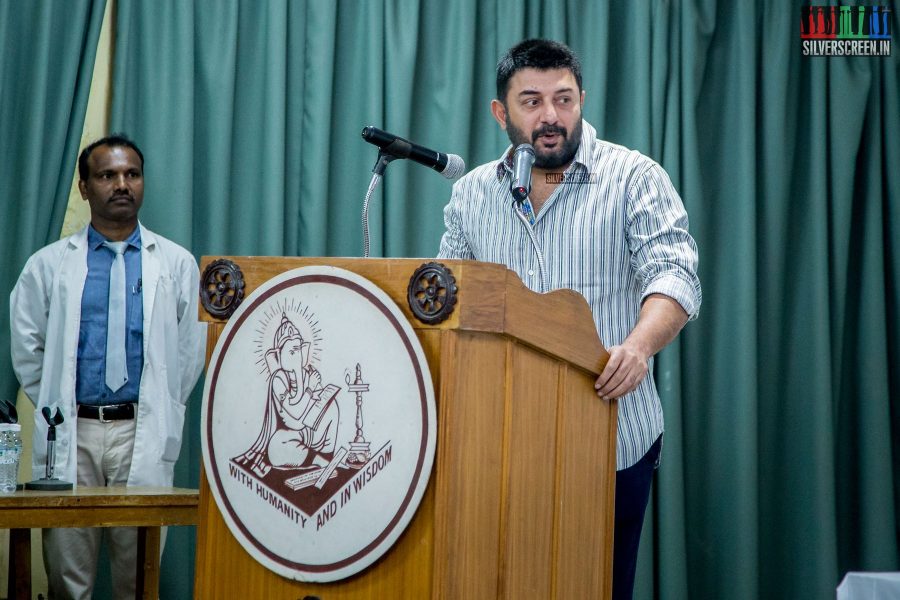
x: 520, y: 500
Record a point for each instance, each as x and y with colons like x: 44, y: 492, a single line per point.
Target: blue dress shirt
x: 90, y: 379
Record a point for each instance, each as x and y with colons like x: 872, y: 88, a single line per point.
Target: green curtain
x: 47, y: 52
x: 780, y: 467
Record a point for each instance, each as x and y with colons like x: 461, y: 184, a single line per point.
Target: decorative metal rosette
x: 432, y: 293
x: 221, y: 288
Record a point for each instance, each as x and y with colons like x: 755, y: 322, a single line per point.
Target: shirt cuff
x: 685, y: 293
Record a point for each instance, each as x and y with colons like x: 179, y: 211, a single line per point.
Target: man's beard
x: 553, y: 159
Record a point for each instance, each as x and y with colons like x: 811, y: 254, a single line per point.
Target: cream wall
x: 96, y: 123
x: 77, y: 215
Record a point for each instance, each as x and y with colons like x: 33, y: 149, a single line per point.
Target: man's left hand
x: 624, y: 371
x: 660, y: 321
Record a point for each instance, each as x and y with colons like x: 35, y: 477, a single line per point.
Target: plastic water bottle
x: 10, y: 451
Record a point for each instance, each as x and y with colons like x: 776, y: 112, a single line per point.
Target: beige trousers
x: 70, y: 554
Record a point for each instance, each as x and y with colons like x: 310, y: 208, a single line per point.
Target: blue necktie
x: 116, y: 364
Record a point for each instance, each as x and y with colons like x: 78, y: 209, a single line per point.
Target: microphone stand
x: 49, y: 482
x: 378, y: 171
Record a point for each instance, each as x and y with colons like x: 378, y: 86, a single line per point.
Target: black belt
x: 113, y: 412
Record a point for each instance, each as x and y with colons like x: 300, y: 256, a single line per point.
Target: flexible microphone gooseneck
x: 392, y: 147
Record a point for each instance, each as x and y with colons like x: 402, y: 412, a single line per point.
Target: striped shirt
x: 615, y: 230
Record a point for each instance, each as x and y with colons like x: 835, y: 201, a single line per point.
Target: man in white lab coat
x: 123, y: 396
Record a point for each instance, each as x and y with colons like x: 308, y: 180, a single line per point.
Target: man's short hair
x: 535, y: 54
x: 116, y: 140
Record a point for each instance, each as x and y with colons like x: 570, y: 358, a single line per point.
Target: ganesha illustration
x: 301, y: 416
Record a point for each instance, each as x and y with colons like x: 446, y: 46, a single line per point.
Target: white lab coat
x: 45, y: 314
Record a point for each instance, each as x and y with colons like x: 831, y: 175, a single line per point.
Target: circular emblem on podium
x: 318, y: 424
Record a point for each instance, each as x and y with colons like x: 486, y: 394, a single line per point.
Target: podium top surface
x: 490, y: 298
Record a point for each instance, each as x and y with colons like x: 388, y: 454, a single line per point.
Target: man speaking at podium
x: 600, y: 219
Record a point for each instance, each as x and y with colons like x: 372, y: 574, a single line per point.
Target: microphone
x: 450, y: 166
x: 523, y: 158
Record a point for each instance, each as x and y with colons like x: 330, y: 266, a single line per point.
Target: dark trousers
x: 632, y: 495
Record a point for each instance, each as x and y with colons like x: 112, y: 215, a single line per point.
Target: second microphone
x: 450, y: 166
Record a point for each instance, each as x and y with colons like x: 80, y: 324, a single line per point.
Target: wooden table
x: 147, y: 508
